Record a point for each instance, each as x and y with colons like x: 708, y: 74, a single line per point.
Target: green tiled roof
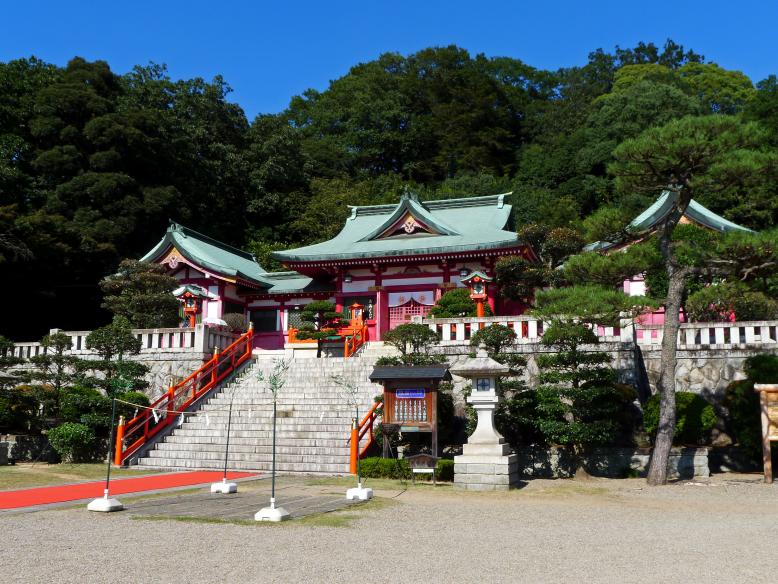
x: 214, y: 256
x: 286, y: 282
x: 471, y: 224
x: 659, y: 210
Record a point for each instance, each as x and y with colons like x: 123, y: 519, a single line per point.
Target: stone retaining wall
x: 556, y: 462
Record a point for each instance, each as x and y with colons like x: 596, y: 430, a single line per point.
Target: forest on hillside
x: 94, y: 163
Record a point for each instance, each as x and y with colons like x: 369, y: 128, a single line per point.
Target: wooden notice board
x: 768, y: 402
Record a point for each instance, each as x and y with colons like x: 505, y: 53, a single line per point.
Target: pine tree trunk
x: 657, y: 472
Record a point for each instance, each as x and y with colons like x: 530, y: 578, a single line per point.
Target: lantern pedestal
x: 486, y: 463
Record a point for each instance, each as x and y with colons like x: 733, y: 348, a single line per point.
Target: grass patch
x: 193, y: 519
x: 339, y: 518
x: 386, y: 484
x: 21, y: 476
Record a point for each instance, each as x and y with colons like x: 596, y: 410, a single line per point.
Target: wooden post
x: 768, y: 395
x: 118, y: 447
x: 767, y: 458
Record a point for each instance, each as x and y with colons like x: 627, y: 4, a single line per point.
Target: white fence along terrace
x: 200, y: 339
x: 698, y: 335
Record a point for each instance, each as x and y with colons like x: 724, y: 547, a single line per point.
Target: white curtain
x: 426, y: 297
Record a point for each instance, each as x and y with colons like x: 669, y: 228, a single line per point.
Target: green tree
x: 54, y: 366
x: 414, y: 342
x: 142, y: 293
x: 7, y: 363
x: 579, y: 403
x: 456, y: 302
x: 320, y: 321
x: 112, y: 343
x: 692, y: 156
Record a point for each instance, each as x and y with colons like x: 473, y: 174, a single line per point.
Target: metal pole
x: 227, y: 447
x: 273, y: 476
x: 110, y: 442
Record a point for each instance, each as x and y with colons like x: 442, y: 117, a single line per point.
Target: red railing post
x: 215, y: 361
x: 171, y: 402
x: 119, y: 447
x: 354, y: 446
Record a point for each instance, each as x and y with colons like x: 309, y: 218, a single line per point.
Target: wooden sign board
x: 768, y: 401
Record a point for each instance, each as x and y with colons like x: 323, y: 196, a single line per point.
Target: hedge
x: 376, y: 467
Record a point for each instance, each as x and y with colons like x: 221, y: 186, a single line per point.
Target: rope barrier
x: 183, y: 412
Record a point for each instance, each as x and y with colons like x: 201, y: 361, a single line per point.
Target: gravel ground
x: 549, y: 531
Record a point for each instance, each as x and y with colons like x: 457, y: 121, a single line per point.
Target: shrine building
x: 394, y: 260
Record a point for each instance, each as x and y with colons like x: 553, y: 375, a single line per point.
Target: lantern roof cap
x: 194, y: 290
x: 480, y: 365
x: 476, y: 274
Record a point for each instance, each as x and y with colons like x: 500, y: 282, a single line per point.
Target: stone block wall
x: 555, y: 462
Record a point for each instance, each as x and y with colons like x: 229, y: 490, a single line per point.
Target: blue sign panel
x: 410, y: 393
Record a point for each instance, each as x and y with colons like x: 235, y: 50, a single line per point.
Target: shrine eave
x: 468, y: 253
x: 202, y: 252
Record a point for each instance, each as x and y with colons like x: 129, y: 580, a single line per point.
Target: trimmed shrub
x: 742, y: 403
x: 456, y: 302
x: 392, y: 468
x: 695, y: 418
x: 716, y: 303
x: 236, y: 321
x: 445, y: 470
x: 375, y: 467
x: 134, y: 397
x: 85, y: 405
x: 73, y: 442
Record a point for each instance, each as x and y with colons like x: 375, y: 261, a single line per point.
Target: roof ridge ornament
x: 409, y: 194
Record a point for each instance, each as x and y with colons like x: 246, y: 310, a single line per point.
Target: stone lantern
x: 477, y: 283
x: 486, y: 463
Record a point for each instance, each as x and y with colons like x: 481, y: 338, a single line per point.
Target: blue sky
x: 269, y: 51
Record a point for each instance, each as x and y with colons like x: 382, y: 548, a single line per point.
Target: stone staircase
x: 313, y: 422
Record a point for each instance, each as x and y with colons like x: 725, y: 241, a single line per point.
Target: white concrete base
x: 361, y: 493
x: 224, y: 487
x: 105, y: 504
x: 272, y: 513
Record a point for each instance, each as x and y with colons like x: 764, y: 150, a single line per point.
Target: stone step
x: 286, y: 467
x: 287, y: 426
x: 319, y: 442
x: 317, y: 458
x: 312, y: 430
x: 254, y: 449
x: 259, y: 434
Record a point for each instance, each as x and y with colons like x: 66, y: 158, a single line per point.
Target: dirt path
x: 550, y: 531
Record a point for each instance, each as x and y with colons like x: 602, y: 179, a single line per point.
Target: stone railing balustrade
x: 528, y: 329
x: 713, y: 335
x: 200, y: 339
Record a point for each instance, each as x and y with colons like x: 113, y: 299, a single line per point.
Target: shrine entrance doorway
x: 404, y: 306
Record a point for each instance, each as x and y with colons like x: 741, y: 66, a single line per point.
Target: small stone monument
x: 486, y: 463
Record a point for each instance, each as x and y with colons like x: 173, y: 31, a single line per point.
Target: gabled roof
x: 213, y: 256
x: 454, y: 225
x: 440, y: 372
x: 652, y: 217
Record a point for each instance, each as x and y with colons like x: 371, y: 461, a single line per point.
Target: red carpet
x: 61, y: 493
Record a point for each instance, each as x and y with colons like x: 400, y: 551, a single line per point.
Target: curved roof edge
x: 658, y: 211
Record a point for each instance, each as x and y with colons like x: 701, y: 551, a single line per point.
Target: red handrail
x: 136, y: 432
x: 352, y: 343
x: 364, y: 426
